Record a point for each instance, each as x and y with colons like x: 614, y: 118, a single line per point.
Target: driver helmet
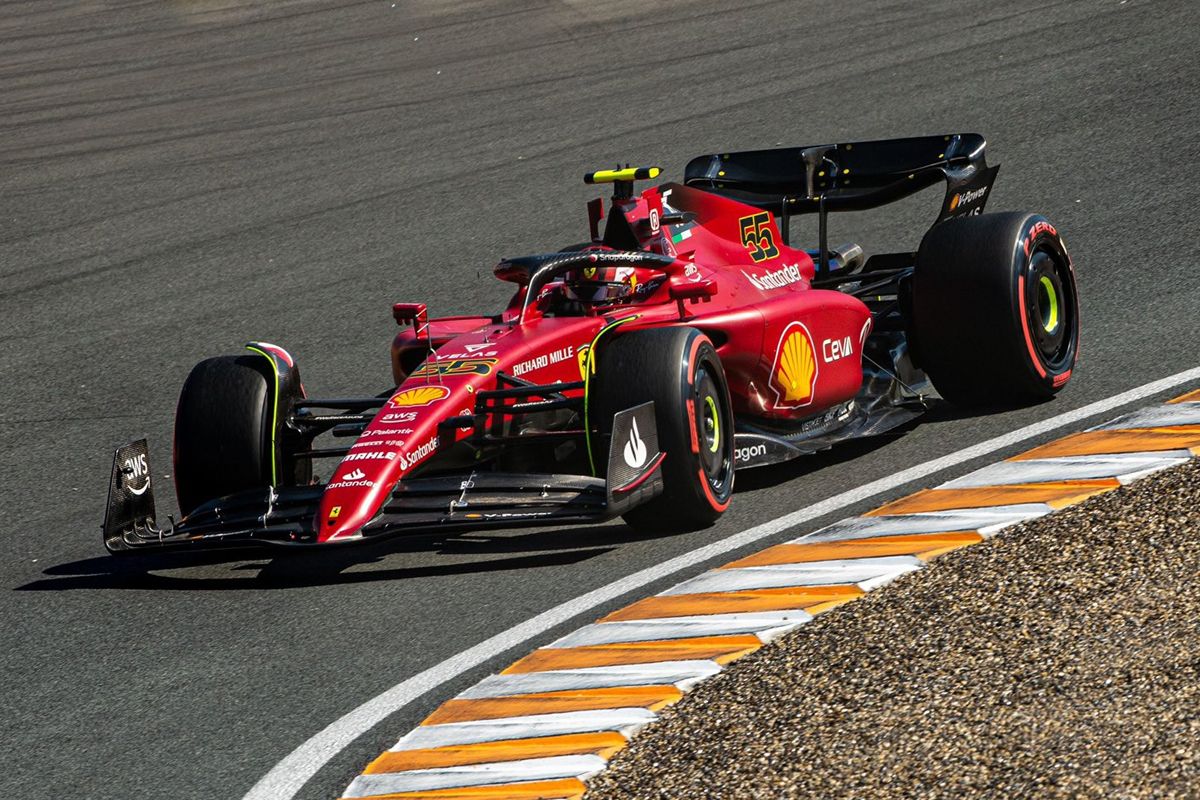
x: 609, y: 285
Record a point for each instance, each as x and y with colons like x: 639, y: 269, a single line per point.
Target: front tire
x: 223, y: 430
x: 995, y: 309
x: 679, y: 369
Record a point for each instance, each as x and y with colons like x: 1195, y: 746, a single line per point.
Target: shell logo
x: 794, y: 374
x: 420, y: 396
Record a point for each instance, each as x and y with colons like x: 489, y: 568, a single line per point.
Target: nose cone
x: 403, y: 435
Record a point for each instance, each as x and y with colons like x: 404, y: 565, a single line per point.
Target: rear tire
x: 679, y: 369
x: 223, y: 430
x: 995, y: 309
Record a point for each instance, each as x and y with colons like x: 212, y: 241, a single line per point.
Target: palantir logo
x: 635, y: 448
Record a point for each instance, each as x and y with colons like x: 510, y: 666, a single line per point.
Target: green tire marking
x: 590, y: 368
x: 716, y: 421
x: 274, y: 412
x: 1052, y: 324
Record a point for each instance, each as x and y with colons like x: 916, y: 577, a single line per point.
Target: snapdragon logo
x: 743, y: 454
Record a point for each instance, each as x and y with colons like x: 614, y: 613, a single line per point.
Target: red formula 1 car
x: 634, y: 374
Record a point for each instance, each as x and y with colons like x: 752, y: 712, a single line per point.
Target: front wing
x: 285, y: 515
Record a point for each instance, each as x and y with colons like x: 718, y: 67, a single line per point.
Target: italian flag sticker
x: 682, y: 235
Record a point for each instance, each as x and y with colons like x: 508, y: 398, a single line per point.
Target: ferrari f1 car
x: 633, y: 375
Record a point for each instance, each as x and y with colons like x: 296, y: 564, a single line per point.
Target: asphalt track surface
x: 179, y: 177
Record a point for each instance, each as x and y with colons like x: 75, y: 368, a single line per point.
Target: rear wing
x: 854, y: 176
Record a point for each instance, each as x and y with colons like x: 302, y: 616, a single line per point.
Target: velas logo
x: 635, y: 448
x: 794, y: 373
x: 420, y: 396
x: 779, y: 279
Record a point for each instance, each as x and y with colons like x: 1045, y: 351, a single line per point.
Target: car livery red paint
x: 632, y: 374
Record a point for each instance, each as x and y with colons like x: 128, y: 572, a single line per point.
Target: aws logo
x: 794, y: 373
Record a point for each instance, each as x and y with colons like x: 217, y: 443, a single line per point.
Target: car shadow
x: 528, y: 549
x: 328, y: 565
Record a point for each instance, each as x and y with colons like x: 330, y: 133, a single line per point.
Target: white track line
x: 288, y: 776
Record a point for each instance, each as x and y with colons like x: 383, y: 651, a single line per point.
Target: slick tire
x: 223, y: 430
x: 677, y: 368
x: 995, y: 310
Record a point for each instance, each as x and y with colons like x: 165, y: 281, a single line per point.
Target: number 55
x: 757, y: 237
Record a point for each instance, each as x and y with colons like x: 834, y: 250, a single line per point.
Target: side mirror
x: 681, y: 289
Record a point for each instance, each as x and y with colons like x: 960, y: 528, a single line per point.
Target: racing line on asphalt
x: 290, y: 775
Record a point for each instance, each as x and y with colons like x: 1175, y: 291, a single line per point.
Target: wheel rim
x: 711, y: 416
x: 1050, y: 310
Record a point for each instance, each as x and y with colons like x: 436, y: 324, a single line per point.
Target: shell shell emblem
x: 420, y: 396
x: 794, y: 374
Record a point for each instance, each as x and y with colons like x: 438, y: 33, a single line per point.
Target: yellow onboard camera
x: 626, y: 174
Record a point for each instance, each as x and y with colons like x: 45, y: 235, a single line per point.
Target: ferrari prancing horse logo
x: 794, y: 373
